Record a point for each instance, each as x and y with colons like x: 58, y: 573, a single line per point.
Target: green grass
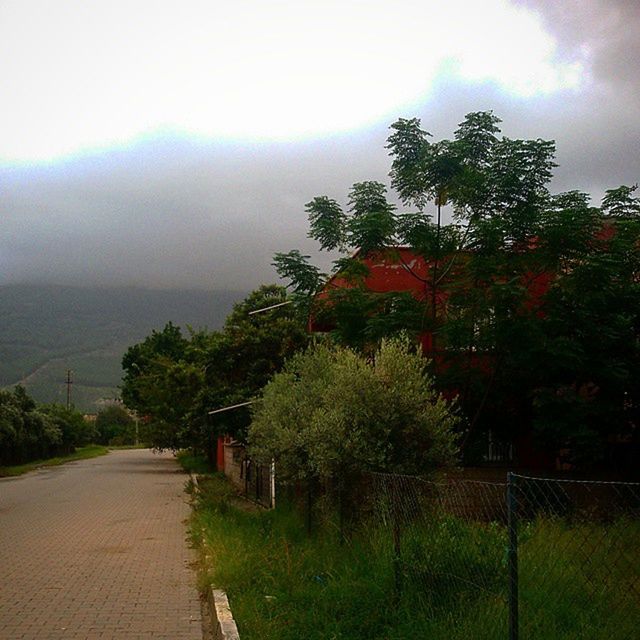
x: 81, y: 453
x: 287, y: 585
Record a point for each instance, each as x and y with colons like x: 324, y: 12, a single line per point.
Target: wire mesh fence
x: 531, y: 558
x: 578, y: 558
x: 448, y: 546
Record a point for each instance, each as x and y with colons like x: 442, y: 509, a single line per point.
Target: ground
x: 98, y: 549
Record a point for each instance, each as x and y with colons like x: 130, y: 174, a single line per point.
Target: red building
x: 399, y: 269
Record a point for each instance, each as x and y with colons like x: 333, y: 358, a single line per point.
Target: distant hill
x: 45, y: 330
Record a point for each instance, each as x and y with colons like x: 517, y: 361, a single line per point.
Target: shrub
x: 29, y: 432
x: 332, y: 411
x: 74, y: 429
x: 114, y: 425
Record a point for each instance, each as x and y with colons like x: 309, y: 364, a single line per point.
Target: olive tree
x: 331, y: 411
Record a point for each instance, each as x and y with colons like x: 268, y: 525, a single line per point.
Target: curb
x: 224, y: 625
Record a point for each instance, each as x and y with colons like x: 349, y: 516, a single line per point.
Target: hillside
x: 45, y: 330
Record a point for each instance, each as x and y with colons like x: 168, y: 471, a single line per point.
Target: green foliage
x: 175, y: 380
x: 115, y: 425
x: 409, y: 147
x: 531, y: 299
x: 331, y: 412
x: 304, y: 277
x: 620, y: 202
x: 74, y: 429
x: 286, y: 585
x: 30, y: 432
x: 590, y: 387
x: 326, y: 222
x: 194, y: 463
x: 372, y: 223
x: 159, y: 384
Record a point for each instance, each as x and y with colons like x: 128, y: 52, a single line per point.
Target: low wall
x: 234, y: 455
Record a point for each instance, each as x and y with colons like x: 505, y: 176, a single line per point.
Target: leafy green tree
x: 531, y: 298
x: 175, y: 380
x: 115, y: 425
x: 621, y: 203
x: 74, y: 429
x: 30, y: 432
x: 239, y: 360
x: 140, y: 365
x: 332, y: 412
x: 589, y: 389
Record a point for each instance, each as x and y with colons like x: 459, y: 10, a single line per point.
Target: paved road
x: 97, y: 549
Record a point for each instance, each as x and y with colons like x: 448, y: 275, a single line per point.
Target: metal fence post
x: 272, y: 483
x: 512, y: 523
x: 397, y: 536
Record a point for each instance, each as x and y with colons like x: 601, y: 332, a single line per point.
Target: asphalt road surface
x: 97, y: 549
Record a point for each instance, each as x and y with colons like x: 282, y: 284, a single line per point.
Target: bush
x: 29, y: 432
x: 115, y: 425
x: 332, y: 411
x: 74, y: 429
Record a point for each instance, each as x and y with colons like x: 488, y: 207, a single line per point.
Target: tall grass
x: 285, y: 584
x: 580, y: 580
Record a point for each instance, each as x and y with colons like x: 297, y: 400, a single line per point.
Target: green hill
x: 45, y: 330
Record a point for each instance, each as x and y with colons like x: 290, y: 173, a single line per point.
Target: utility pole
x: 69, y: 382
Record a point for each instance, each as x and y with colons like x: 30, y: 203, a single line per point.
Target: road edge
x: 221, y: 617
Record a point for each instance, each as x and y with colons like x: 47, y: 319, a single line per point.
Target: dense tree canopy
x: 532, y: 299
x: 115, y: 425
x: 174, y: 380
x: 31, y: 432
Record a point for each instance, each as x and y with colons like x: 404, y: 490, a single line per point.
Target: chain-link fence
x: 447, y: 544
x: 575, y: 558
x: 530, y: 558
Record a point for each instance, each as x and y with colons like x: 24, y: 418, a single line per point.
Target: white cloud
x: 82, y: 75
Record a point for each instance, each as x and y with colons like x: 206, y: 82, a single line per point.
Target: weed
x: 285, y: 584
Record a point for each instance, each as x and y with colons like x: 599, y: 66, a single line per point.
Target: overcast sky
x: 175, y: 144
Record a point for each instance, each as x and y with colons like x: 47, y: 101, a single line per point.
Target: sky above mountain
x: 173, y: 144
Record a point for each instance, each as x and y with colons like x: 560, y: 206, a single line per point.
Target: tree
x: 175, y: 380
x: 496, y: 188
x: 239, y: 360
x: 141, y: 362
x: 331, y: 412
x: 115, y: 425
x: 519, y: 285
x: 31, y: 432
x: 74, y: 429
x: 160, y: 384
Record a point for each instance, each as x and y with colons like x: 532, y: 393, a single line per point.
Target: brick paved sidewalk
x: 96, y: 549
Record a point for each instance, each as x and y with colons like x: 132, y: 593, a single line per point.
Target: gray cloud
x: 170, y: 211
x: 608, y: 31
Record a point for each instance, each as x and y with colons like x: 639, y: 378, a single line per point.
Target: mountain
x: 46, y: 330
